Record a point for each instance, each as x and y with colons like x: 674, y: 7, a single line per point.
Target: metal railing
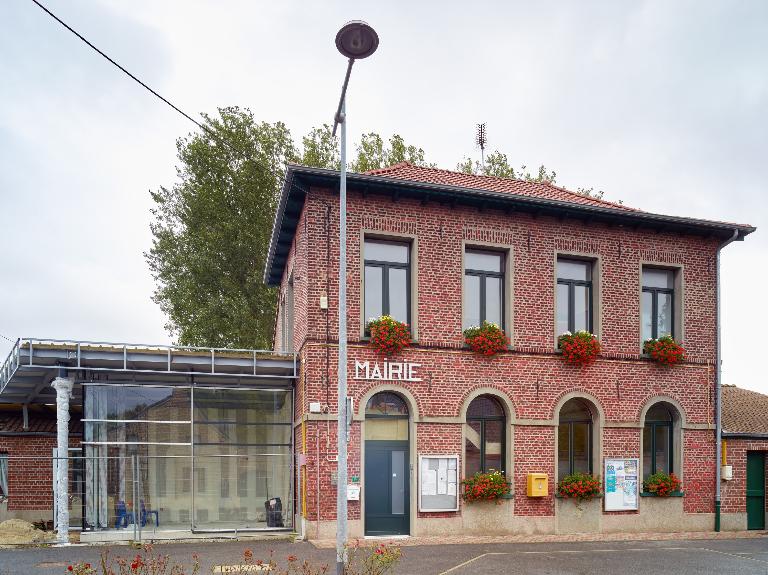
x: 27, y: 352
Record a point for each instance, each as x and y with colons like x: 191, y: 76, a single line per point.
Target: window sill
x: 672, y: 494
x: 598, y: 496
x: 367, y: 339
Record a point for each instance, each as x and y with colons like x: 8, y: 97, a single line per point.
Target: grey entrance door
x: 386, y: 488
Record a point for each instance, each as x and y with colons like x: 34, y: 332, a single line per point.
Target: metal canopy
x: 32, y: 365
x: 299, y: 178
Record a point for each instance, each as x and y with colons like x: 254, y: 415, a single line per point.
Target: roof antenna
x: 481, y: 139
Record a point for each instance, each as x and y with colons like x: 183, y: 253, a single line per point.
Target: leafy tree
x: 321, y: 149
x: 211, y: 230
x: 373, y: 155
x: 497, y: 164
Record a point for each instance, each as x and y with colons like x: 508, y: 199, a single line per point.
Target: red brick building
x: 745, y: 445
x: 441, y: 251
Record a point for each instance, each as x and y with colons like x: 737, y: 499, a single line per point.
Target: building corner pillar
x: 63, y: 387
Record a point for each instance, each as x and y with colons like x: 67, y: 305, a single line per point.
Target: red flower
x: 580, y: 348
x: 488, y: 339
x: 70, y: 568
x: 388, y: 335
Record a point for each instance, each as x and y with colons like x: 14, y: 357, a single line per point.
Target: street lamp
x: 356, y: 40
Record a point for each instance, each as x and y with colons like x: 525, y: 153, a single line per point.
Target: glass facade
x: 183, y: 458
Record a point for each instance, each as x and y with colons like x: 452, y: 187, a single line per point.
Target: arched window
x: 485, y: 436
x: 386, y: 417
x: 574, y: 438
x: 658, y: 439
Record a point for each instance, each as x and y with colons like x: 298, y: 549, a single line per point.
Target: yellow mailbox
x: 537, y: 484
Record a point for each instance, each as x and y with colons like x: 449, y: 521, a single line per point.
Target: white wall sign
x: 353, y: 492
x: 621, y: 484
x: 387, y: 371
x: 438, y: 483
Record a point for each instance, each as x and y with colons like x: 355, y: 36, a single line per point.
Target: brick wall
x: 532, y: 378
x: 734, y: 493
x: 30, y: 471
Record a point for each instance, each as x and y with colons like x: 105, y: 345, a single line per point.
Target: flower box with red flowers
x: 662, y: 485
x: 664, y: 350
x: 388, y: 335
x: 580, y: 348
x: 580, y: 486
x: 488, y: 339
x: 489, y: 486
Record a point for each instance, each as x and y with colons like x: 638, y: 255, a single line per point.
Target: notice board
x: 621, y: 483
x: 438, y: 483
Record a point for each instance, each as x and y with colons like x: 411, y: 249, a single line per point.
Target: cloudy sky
x: 661, y: 104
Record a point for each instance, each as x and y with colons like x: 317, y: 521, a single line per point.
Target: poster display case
x: 621, y: 483
x: 438, y: 483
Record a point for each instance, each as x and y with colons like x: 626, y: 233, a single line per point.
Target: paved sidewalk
x: 573, y: 538
x: 734, y: 556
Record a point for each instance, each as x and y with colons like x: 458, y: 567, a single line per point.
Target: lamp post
x: 356, y: 40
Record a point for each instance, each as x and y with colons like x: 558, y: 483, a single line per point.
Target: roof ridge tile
x: 408, y: 171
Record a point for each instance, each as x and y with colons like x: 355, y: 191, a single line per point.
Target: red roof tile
x: 413, y: 173
x: 744, y: 411
x: 15, y: 424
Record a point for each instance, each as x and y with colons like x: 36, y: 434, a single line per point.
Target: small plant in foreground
x: 488, y: 339
x: 580, y: 348
x: 488, y: 486
x: 662, y: 484
x: 362, y: 561
x: 665, y: 350
x: 580, y: 486
x: 376, y: 560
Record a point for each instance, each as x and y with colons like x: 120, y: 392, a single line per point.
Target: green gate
x: 755, y: 490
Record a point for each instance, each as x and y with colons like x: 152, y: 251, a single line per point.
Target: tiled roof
x: 744, y: 411
x: 15, y: 424
x: 413, y: 173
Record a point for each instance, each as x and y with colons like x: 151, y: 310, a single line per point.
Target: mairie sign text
x: 389, y: 371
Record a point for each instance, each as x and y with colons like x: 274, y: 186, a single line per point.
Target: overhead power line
x: 118, y: 66
x: 166, y: 101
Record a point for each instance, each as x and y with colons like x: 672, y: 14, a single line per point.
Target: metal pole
x: 719, y: 382
x: 341, y: 430
x: 135, y: 498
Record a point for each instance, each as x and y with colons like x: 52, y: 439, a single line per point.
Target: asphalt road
x: 735, y: 556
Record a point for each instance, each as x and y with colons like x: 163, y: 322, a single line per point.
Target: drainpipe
x: 63, y: 386
x: 718, y: 381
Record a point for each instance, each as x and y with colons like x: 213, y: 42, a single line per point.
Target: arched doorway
x: 387, y: 497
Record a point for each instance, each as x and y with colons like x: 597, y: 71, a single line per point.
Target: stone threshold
x: 571, y: 538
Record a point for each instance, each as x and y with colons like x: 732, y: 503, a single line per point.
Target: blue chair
x: 148, y: 512
x: 123, y: 517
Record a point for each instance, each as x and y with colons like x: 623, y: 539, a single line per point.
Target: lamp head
x: 357, y: 40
